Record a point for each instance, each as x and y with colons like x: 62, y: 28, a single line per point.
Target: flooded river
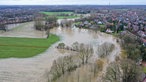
x: 35, y: 69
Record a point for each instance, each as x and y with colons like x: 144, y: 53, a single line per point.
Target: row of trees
x: 84, y: 51
x: 66, y: 23
x: 124, y: 70
x: 69, y: 63
x: 133, y: 47
x: 3, y: 27
x: 61, y: 66
x: 45, y: 23
x: 85, y: 73
x: 127, y: 70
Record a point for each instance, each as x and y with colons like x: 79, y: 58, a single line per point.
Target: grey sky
x: 72, y: 2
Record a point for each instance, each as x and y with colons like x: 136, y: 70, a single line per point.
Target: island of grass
x: 25, y: 47
x: 61, y: 15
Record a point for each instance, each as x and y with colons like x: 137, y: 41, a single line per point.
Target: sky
x: 72, y: 2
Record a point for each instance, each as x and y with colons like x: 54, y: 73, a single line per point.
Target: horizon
x: 72, y: 2
x: 79, y: 5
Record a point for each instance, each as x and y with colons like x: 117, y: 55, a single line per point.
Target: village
x: 116, y: 21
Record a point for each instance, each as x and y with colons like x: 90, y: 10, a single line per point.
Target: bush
x: 97, y: 67
x: 61, y: 46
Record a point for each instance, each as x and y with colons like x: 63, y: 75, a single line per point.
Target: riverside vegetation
x: 70, y: 68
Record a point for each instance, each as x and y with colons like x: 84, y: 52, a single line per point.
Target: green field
x: 58, y: 13
x: 24, y: 47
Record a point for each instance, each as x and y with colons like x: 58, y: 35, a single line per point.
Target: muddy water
x: 35, y: 69
x: 23, y: 30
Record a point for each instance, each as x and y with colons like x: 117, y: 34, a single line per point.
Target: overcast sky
x: 72, y: 2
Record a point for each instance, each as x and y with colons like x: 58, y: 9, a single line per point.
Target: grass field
x: 24, y: 47
x: 58, y: 13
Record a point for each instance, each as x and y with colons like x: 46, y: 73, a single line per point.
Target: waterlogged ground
x: 22, y: 30
x: 36, y: 69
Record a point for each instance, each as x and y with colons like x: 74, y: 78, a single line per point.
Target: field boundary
x: 24, y: 46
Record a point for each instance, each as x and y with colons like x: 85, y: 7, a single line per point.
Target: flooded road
x: 35, y: 69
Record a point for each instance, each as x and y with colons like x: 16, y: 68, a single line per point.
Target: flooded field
x: 22, y: 30
x: 36, y: 69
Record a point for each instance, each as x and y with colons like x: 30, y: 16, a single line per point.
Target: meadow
x: 25, y: 47
x: 59, y: 14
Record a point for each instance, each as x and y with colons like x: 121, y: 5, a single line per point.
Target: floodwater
x: 35, y: 69
x: 22, y: 30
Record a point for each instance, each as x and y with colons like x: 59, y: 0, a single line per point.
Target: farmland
x: 24, y: 47
x: 61, y: 15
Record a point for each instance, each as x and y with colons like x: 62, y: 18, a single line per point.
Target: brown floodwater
x: 35, y: 69
x: 22, y: 30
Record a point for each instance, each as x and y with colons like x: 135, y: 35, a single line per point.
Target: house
x: 141, y: 33
x: 109, y: 31
x: 144, y: 41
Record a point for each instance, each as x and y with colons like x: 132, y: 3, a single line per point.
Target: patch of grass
x: 102, y: 25
x: 144, y: 69
x: 123, y: 54
x: 58, y: 14
x: 24, y: 47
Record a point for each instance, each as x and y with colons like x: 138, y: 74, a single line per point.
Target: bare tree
x: 105, y: 49
x: 70, y: 64
x: 75, y: 46
x: 97, y: 66
x: 123, y: 71
x: 50, y: 22
x: 66, y: 23
x: 113, y: 73
x: 85, y: 52
x: 61, y: 66
x: 55, y: 71
x: 38, y: 23
x: 3, y: 27
x: 88, y: 52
